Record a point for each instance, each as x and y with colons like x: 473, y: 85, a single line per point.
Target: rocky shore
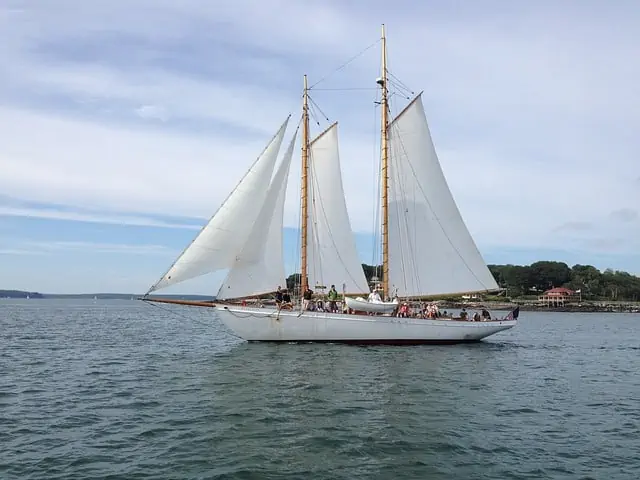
x: 529, y: 306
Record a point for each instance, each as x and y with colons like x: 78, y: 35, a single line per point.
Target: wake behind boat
x: 427, y: 249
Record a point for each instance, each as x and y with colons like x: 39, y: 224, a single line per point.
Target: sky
x: 125, y: 124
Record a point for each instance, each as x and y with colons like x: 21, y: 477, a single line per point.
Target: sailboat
x: 427, y: 249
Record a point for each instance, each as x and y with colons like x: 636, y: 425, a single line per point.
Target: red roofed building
x: 557, y: 297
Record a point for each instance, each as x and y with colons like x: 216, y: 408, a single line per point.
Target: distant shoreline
x: 525, y: 306
x: 528, y: 306
x: 18, y: 294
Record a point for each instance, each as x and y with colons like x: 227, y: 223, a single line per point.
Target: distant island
x: 99, y: 296
x: 541, y: 285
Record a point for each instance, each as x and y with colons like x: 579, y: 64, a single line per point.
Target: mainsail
x: 259, y: 267
x: 431, y: 250
x: 221, y: 239
x: 332, y: 254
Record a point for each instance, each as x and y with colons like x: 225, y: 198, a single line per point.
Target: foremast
x: 384, y: 145
x: 304, y: 187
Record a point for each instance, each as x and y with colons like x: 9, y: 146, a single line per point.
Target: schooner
x: 427, y: 249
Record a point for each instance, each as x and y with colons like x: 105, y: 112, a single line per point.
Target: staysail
x: 218, y: 243
x: 332, y: 255
x: 259, y: 267
x: 431, y: 250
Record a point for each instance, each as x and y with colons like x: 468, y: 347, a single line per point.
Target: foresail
x: 331, y: 249
x: 218, y: 243
x: 431, y: 252
x: 259, y: 267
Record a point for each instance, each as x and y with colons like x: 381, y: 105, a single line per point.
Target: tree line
x: 532, y: 280
x: 521, y: 280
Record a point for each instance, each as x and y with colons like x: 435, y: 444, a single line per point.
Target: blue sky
x: 125, y: 124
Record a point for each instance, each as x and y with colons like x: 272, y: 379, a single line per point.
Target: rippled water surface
x: 124, y: 390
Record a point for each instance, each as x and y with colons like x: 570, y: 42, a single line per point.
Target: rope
x: 315, y: 105
x: 185, y: 317
x: 345, y: 64
x: 345, y: 89
x: 400, y: 84
x: 333, y: 242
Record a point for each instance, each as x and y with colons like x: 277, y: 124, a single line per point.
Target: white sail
x: 430, y: 249
x: 221, y: 239
x: 331, y: 249
x: 259, y: 267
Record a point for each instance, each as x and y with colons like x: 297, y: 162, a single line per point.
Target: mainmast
x: 382, y: 81
x: 304, y: 196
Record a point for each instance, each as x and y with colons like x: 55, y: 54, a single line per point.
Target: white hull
x: 269, y: 325
x: 373, y: 307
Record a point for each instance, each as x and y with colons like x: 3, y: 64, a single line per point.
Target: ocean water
x: 124, y: 390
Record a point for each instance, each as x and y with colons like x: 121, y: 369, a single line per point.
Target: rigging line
x: 345, y: 63
x: 314, y: 104
x: 400, y: 91
x: 299, y: 227
x: 375, y: 196
x: 297, y: 273
x: 312, y: 115
x: 345, y: 89
x: 315, y: 235
x: 191, y: 319
x: 401, y: 83
x: 324, y: 213
x: 401, y: 205
x: 377, y: 179
x: 434, y: 214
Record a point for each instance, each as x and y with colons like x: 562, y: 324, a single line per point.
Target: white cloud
x: 19, y: 251
x: 153, y: 112
x: 56, y: 214
x: 97, y: 247
x: 30, y: 247
x: 533, y: 109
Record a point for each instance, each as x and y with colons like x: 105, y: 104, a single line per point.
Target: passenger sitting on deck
x: 476, y: 317
x: 286, y: 300
x: 463, y: 314
x: 485, y: 315
x: 404, y: 310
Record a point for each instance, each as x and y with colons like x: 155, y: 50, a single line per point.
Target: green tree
x: 371, y: 271
x: 586, y: 278
x: 518, y: 279
x: 293, y: 283
x: 546, y: 274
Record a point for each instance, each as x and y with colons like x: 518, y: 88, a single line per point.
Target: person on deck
x: 486, y: 316
x: 306, y: 298
x: 278, y: 297
x: 333, y: 298
x: 286, y: 300
x: 374, y: 296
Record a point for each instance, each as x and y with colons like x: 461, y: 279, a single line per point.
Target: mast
x: 385, y: 167
x: 304, y: 196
